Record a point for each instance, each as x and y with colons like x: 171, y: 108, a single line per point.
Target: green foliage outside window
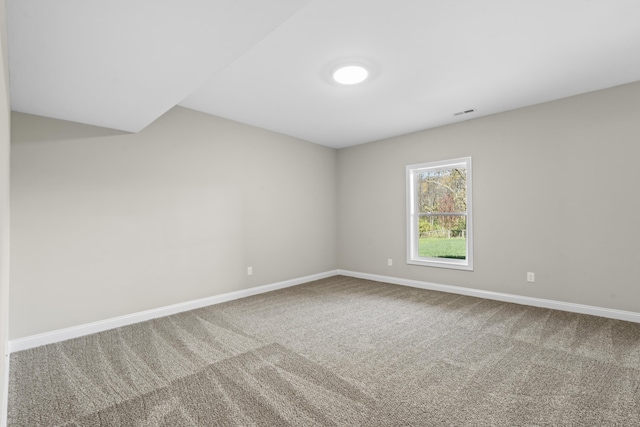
x: 442, y: 206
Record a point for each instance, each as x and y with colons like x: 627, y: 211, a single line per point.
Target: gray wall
x: 555, y: 190
x: 106, y: 224
x: 4, y: 208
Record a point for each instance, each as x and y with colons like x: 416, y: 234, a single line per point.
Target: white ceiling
x: 123, y: 63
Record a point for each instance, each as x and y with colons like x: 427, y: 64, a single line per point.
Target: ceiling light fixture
x: 350, y: 74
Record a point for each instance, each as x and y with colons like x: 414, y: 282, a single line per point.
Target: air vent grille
x: 460, y: 113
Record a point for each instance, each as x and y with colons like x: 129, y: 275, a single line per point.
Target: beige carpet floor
x: 339, y: 352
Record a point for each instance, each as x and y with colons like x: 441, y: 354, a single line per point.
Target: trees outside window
x: 439, y: 214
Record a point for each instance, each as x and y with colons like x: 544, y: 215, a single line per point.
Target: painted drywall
x: 113, y: 224
x: 555, y: 192
x: 4, y: 213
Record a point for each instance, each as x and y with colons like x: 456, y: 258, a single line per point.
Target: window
x: 439, y: 232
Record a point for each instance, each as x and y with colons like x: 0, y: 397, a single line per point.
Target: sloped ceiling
x: 122, y: 64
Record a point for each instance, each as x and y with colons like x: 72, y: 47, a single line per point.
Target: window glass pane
x: 442, y: 190
x: 442, y: 236
x: 439, y: 214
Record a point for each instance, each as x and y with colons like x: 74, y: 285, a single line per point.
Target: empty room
x: 320, y: 213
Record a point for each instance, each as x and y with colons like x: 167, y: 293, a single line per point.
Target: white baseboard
x: 517, y: 299
x: 116, y: 322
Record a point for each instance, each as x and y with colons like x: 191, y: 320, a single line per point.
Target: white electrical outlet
x: 249, y: 271
x: 531, y: 277
x: 390, y: 262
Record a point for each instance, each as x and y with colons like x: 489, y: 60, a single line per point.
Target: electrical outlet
x: 390, y: 262
x: 531, y: 277
x: 249, y: 271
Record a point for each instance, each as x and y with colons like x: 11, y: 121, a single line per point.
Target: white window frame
x: 412, y: 216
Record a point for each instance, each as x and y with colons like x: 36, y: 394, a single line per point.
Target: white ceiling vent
x: 460, y: 113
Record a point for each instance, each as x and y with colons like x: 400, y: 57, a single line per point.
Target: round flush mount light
x: 350, y: 71
x: 350, y: 74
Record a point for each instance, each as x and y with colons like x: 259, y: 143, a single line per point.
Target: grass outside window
x: 442, y: 248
